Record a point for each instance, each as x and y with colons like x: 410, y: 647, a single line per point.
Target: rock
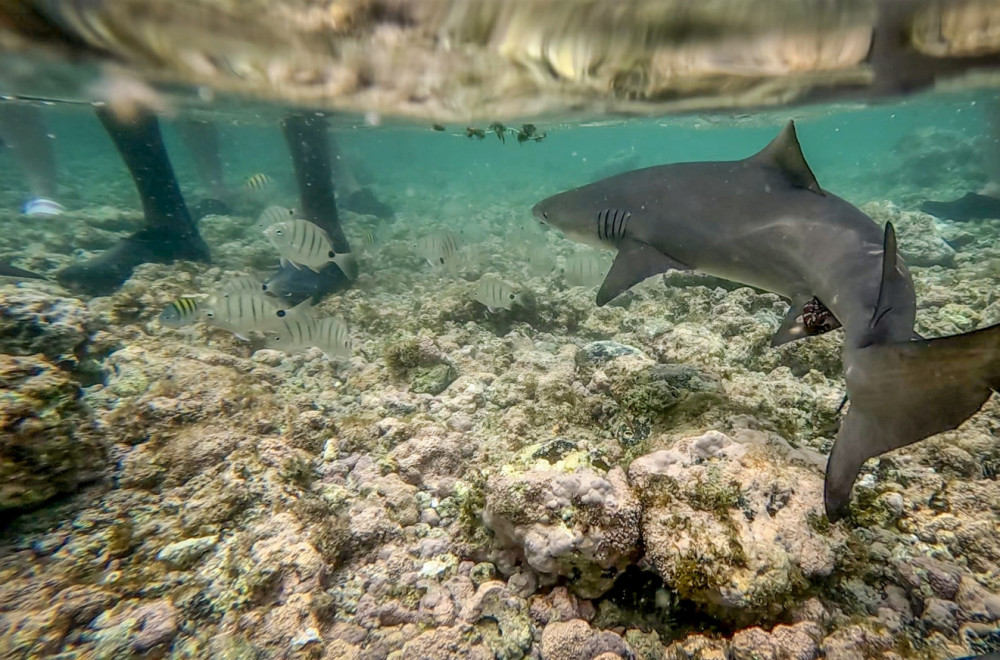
x: 733, y: 527
x: 576, y: 640
x: 940, y: 615
x: 135, y: 628
x: 48, y: 444
x: 156, y: 625
x: 919, y: 240
x: 493, y: 602
x: 752, y: 644
x: 422, y: 364
x: 797, y: 642
x: 578, y: 524
x: 183, y: 554
x: 446, y: 644
x: 599, y: 352
x: 61, y: 329
x: 698, y: 647
x: 855, y: 642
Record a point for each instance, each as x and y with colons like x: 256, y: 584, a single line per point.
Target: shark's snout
x: 540, y: 213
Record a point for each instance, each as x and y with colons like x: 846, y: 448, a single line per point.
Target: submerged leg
x: 201, y: 139
x: 308, y: 144
x: 169, y: 233
x: 23, y: 130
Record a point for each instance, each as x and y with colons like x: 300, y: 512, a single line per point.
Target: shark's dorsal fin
x: 783, y: 153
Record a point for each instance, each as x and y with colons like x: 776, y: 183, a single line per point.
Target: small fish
x: 302, y: 243
x: 242, y: 312
x: 540, y: 261
x: 496, y: 294
x: 257, y: 181
x: 368, y: 240
x: 473, y: 132
x: 181, y: 312
x: 242, y: 283
x: 273, y: 215
x: 331, y: 335
x: 585, y: 269
x: 438, y: 249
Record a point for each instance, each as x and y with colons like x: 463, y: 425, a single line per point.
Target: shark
x: 764, y: 221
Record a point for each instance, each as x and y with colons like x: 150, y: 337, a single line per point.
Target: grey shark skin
x: 8, y: 271
x: 765, y: 221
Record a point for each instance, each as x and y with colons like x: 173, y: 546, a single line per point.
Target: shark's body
x: 765, y: 221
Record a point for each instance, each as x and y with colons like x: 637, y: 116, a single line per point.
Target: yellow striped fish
x: 438, y: 249
x: 585, y: 269
x: 296, y: 333
x: 496, y: 294
x: 257, y: 182
x: 180, y: 313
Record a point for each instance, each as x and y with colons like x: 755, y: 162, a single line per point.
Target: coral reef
x: 48, y: 443
x: 641, y: 480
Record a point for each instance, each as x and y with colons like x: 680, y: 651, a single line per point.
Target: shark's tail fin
x: 904, y: 392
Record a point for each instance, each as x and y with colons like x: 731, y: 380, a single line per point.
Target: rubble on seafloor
x: 557, y: 482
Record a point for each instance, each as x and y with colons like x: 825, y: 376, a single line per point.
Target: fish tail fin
x: 904, y: 392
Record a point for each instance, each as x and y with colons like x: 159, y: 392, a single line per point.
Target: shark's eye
x: 545, y: 215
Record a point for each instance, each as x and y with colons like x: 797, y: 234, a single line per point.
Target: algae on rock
x: 48, y: 444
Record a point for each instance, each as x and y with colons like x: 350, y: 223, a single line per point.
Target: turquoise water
x: 549, y: 481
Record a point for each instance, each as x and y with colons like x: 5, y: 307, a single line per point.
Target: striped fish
x: 242, y: 312
x: 368, y: 240
x: 496, y: 294
x: 242, y: 283
x: 612, y: 224
x: 302, y: 243
x: 274, y: 214
x: 256, y: 182
x: 179, y: 313
x: 540, y: 261
x: 295, y: 334
x: 585, y: 269
x: 438, y: 249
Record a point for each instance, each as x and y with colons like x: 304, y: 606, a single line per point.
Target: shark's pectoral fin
x: 904, y: 392
x: 635, y: 262
x: 805, y: 319
x: 792, y: 327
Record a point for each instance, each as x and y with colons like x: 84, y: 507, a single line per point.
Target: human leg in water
x: 309, y: 146
x: 169, y: 233
x: 201, y: 141
x: 23, y: 130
